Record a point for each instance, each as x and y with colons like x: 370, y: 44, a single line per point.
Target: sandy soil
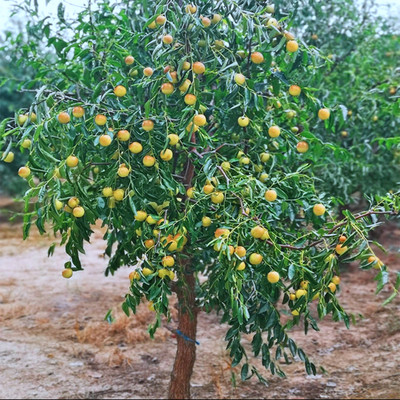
x: 54, y: 342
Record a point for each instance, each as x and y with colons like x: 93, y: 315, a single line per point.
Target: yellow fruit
x: 207, y: 189
x: 257, y: 232
x: 56, y: 173
x: 107, y: 192
x: 129, y: 60
x: 272, y: 22
x: 111, y: 202
x: 67, y: 273
x: 206, y: 22
x: 274, y: 131
x: 265, y: 236
x: 150, y: 220
x: 105, y: 140
x: 226, y: 166
x: 123, y: 135
x: 292, y: 46
x: 199, y: 120
x: 167, y: 88
x: 241, y: 266
x: 217, y: 197
x: 148, y: 125
x: 240, y: 251
x: 33, y: 117
x: 270, y: 195
x: 221, y: 232
x: 344, y: 133
x: 190, y: 193
x: 63, y: 118
x: 206, y: 221
x: 319, y: 209
x: 190, y: 99
x: 78, y: 112
x: 22, y: 118
x: 216, y: 18
x: 336, y: 280
x: 273, y: 277
x: 219, y: 44
x: 160, y: 20
x: 324, y: 113
x: 149, y: 161
x: 134, y: 275
x: 119, y: 194
x: 141, y: 215
x: 166, y: 154
x: 146, y: 271
x: 341, y: 249
x: 120, y: 91
x: 149, y: 243
x: 26, y: 143
x: 78, y: 212
x: 332, y: 287
x: 292, y: 296
x: 300, y: 293
x: 375, y: 118
x: 148, y: 71
x: 243, y: 121
x: 314, y: 37
x: 240, y: 79
x: 191, y: 126
x: 73, y: 202
x: 288, y: 35
x: 265, y: 157
x: 100, y: 119
x: 302, y: 147
x: 72, y: 161
x: 152, y: 25
x: 304, y: 285
x: 58, y: 204
x: 244, y: 160
x: 24, y: 172
x: 255, y: 259
x: 316, y: 296
x: 135, y: 147
x: 173, y: 139
x: 123, y: 171
x: 198, y: 68
x: 186, y: 66
x: 217, y: 246
x: 264, y: 177
x: 190, y: 9
x: 295, y: 313
x: 167, y: 39
x: 342, y: 239
x: 257, y: 58
x: 294, y: 90
x: 168, y: 261
x: 185, y: 85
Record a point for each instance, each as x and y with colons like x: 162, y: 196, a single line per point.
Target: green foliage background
x: 87, y: 61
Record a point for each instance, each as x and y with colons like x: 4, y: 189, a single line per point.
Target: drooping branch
x: 333, y: 229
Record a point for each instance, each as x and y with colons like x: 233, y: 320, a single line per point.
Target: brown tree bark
x: 186, y: 349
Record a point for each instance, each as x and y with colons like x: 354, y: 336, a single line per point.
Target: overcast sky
x: 391, y: 7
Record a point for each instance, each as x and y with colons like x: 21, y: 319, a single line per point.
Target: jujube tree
x: 169, y: 123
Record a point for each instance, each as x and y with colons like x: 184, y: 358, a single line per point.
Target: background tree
x: 165, y: 121
x: 362, y: 77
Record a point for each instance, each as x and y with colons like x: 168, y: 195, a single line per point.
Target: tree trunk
x: 186, y: 349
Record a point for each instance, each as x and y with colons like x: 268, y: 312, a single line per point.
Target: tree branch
x: 315, y: 243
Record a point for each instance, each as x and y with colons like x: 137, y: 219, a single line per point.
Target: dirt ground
x: 54, y: 342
